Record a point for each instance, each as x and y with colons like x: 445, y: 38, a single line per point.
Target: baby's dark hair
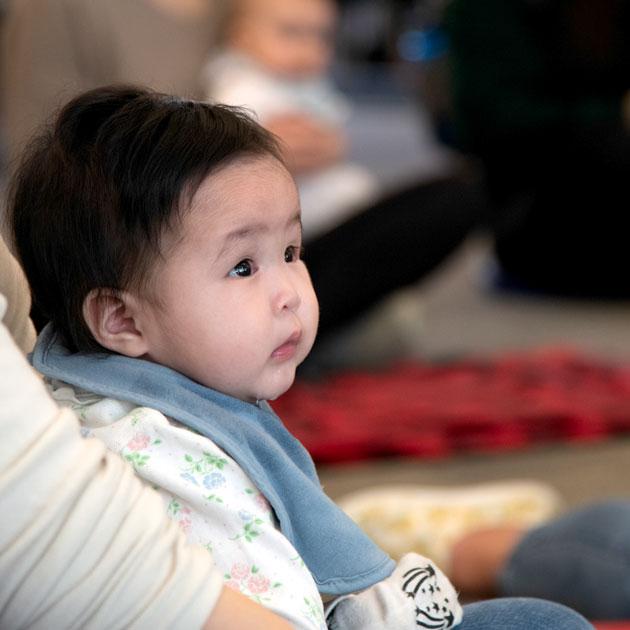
x: 95, y: 192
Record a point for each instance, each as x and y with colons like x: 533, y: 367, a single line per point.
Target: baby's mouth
x: 288, y: 348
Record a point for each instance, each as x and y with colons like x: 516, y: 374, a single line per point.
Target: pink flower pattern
x: 239, y: 571
x: 249, y: 581
x: 138, y: 442
x: 258, y: 584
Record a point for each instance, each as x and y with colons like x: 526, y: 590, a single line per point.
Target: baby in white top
x: 274, y: 61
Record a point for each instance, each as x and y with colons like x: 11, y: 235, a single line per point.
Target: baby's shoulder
x: 143, y: 434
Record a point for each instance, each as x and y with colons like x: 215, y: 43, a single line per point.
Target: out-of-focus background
x: 395, y: 65
x: 508, y: 91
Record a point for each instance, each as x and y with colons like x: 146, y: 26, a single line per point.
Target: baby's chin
x: 275, y: 390
x: 274, y: 394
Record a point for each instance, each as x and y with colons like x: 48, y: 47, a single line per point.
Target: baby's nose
x: 287, y: 296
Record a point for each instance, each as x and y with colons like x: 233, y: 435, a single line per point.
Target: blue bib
x: 341, y: 558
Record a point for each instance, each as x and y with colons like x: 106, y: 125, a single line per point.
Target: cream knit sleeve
x: 14, y: 286
x: 83, y: 543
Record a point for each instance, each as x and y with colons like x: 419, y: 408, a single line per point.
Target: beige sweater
x: 83, y: 544
x: 14, y: 286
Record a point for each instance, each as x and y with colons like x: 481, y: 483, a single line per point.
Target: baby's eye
x: 242, y: 269
x: 293, y: 253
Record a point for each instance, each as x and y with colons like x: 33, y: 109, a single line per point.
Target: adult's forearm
x: 234, y: 611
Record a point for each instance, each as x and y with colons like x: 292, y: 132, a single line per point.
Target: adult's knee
x: 521, y: 613
x: 581, y: 559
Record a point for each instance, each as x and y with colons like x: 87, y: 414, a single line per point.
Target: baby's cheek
x: 312, y: 320
x: 310, y: 298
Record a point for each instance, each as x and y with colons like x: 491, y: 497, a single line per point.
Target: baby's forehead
x: 238, y: 177
x: 240, y: 190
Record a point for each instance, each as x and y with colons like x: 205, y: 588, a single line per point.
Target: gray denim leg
x: 518, y: 613
x: 581, y: 560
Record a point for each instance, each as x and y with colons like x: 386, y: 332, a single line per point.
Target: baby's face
x: 292, y: 38
x: 237, y: 311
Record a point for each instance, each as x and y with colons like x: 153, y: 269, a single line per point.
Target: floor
x: 457, y: 312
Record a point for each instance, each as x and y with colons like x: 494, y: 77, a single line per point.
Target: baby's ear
x: 112, y: 317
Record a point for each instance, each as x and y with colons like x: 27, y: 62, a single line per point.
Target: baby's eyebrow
x: 245, y: 232
x: 296, y: 218
x: 253, y: 230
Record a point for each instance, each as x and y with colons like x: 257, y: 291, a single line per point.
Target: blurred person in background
x: 538, y: 91
x: 273, y: 58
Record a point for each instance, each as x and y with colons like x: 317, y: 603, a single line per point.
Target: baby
x: 162, y: 238
x: 273, y: 59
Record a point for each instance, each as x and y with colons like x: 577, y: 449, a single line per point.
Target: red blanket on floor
x: 433, y: 410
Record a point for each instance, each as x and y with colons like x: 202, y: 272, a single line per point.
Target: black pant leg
x: 393, y: 243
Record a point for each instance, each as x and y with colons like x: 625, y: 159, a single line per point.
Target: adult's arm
x: 308, y: 145
x: 83, y: 543
x: 234, y: 611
